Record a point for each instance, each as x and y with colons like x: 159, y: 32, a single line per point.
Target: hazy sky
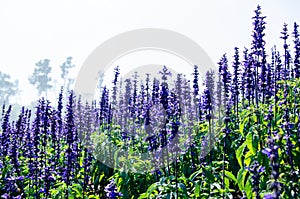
x: 34, y: 30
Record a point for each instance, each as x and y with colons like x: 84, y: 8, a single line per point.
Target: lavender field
x: 236, y: 135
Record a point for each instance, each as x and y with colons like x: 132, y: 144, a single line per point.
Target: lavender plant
x: 70, y: 149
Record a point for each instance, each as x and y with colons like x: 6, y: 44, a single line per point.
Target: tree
x: 40, y: 77
x: 8, y: 88
x: 65, y: 67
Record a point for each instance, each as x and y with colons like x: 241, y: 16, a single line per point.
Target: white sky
x: 34, y: 30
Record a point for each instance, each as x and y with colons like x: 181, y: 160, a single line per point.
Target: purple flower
x: 226, y: 77
x: 204, y: 148
x: 104, y: 106
x: 195, y: 81
x: 207, y: 104
x: 235, y: 81
x: 155, y: 91
x: 210, y: 85
x: 248, y: 76
x: 270, y: 79
x: 124, y: 136
x: 263, y: 76
x: 269, y: 196
x: 111, y: 190
x: 71, y: 151
x: 297, y: 50
x: 5, y: 134
x: 272, y: 152
x: 256, y: 169
x: 152, y: 142
x: 164, y: 93
x: 5, y: 196
x: 258, y: 32
x: 87, y: 163
x: 165, y: 73
x: 285, y: 36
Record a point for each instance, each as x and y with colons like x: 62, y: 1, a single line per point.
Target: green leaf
x: 152, y: 188
x: 241, y: 178
x: 249, y: 142
x: 195, y: 174
x: 247, y: 160
x: 248, y: 189
x: 242, y: 126
x: 78, y: 189
x: 54, y: 192
x: 230, y: 176
x: 93, y: 197
x: 142, y: 196
x: 197, y: 190
x: 239, y: 154
x: 226, y: 182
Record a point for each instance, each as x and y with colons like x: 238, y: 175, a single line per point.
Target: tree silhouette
x: 40, y: 77
x: 7, y: 88
x: 65, y: 67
